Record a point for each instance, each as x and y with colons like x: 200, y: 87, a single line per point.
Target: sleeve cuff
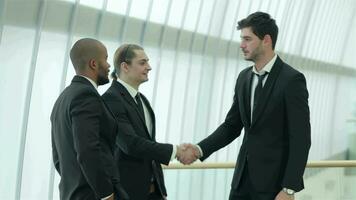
x: 288, y: 191
x: 200, y: 151
x: 174, y: 152
x: 107, y: 197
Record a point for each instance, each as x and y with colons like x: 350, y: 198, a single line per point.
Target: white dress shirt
x: 91, y: 81
x: 266, y: 69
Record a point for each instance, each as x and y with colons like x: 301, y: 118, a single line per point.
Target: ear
x: 124, y: 67
x: 92, y: 64
x: 267, y: 40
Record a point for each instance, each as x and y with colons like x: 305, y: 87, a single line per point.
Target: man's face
x: 251, y: 45
x: 138, y: 68
x: 103, y: 66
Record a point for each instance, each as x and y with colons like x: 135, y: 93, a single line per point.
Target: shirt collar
x: 132, y: 91
x: 91, y: 81
x: 267, y: 68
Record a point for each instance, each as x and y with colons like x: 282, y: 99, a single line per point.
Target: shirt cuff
x: 200, y: 151
x: 288, y: 191
x: 174, y: 152
x: 107, y: 197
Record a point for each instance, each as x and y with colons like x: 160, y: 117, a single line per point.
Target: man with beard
x: 271, y: 104
x: 84, y: 130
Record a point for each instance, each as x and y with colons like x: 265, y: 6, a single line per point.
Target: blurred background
x: 193, y: 46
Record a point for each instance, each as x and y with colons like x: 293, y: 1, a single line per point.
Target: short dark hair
x: 125, y: 53
x: 261, y: 24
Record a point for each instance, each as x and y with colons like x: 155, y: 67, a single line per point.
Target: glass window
x: 15, y: 58
x: 46, y: 88
x: 230, y: 22
x: 159, y: 11
x: 139, y: 8
x: 192, y: 15
x: 117, y: 6
x: 206, y: 16
x: 177, y: 11
x: 92, y: 3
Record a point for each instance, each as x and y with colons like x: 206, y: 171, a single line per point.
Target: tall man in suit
x: 271, y: 104
x: 139, y: 155
x: 84, y: 130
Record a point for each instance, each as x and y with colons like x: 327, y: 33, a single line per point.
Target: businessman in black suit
x: 271, y: 104
x: 140, y: 155
x: 84, y: 130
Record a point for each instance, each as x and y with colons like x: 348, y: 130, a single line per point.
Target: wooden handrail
x: 231, y: 165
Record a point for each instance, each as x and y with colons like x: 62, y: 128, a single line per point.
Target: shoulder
x: 113, y: 91
x: 109, y: 93
x: 290, y: 73
x: 245, y: 71
x: 79, y: 91
x: 84, y: 92
x: 113, y: 96
x: 243, y: 76
x: 294, y: 80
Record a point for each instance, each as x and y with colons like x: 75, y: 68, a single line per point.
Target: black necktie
x: 139, y: 105
x: 258, y: 90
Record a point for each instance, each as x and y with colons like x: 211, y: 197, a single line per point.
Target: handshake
x: 187, y: 153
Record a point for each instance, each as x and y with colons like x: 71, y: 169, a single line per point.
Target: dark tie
x: 258, y: 90
x: 139, y: 105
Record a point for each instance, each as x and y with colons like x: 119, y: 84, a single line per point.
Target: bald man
x: 84, y: 130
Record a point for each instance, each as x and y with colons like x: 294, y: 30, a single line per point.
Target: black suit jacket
x: 139, y: 154
x: 277, y: 141
x: 83, y: 135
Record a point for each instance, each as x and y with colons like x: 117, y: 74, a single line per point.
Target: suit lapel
x: 152, y: 114
x: 247, y: 96
x: 267, y: 90
x: 128, y: 98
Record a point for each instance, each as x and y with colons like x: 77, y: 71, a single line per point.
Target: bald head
x: 83, y: 51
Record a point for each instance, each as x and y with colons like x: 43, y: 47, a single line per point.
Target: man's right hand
x: 187, y: 153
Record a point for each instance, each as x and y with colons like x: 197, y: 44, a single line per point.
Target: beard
x: 103, y: 75
x: 255, y: 55
x: 249, y: 59
x: 103, y: 79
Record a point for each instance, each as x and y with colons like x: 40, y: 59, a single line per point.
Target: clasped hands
x: 187, y: 153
